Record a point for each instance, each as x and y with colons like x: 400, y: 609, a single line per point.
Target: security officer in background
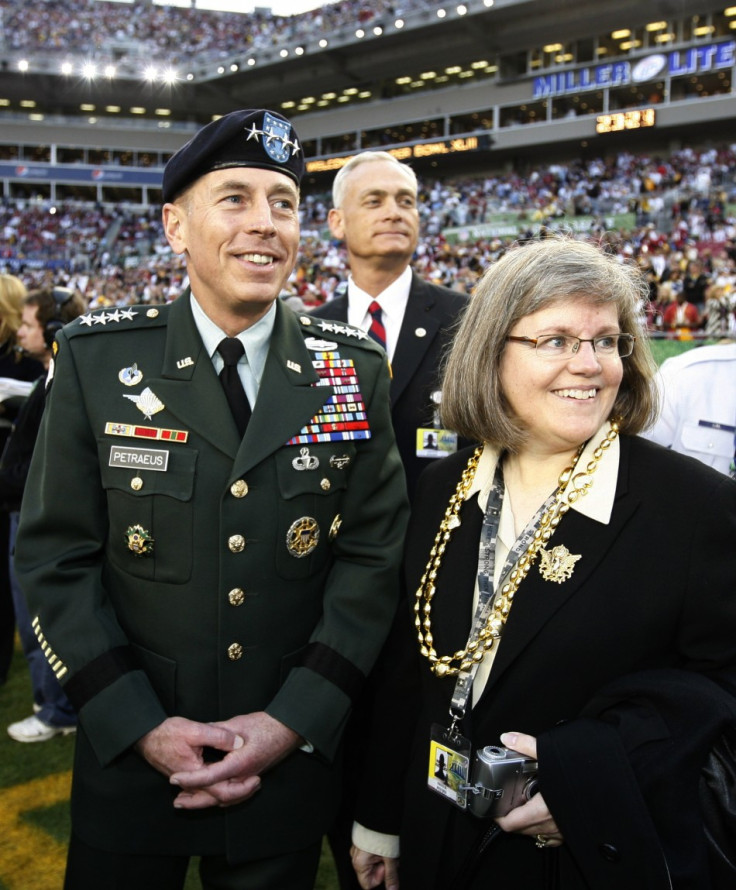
x: 697, y: 392
x: 375, y: 214
x: 212, y: 576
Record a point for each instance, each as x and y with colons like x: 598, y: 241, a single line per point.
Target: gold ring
x: 541, y: 841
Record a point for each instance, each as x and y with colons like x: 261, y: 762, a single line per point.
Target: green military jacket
x: 173, y: 569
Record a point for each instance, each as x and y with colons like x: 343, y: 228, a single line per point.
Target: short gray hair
x: 366, y: 157
x: 527, y: 278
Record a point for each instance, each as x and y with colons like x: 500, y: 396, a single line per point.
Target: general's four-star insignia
x: 557, y: 564
x: 102, y: 318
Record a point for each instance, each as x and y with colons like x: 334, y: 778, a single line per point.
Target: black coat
x: 429, y: 321
x: 653, y: 592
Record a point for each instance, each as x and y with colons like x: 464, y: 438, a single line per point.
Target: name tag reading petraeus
x: 139, y: 458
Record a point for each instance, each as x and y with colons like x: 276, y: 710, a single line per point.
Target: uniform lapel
x: 189, y: 386
x: 287, y: 397
x: 418, y: 330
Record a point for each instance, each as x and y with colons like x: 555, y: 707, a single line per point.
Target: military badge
x: 305, y: 461
x: 302, y: 537
x: 146, y: 402
x: 139, y: 541
x: 557, y: 564
x: 130, y: 376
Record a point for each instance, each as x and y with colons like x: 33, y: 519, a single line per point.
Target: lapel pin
x: 294, y: 366
x: 420, y: 332
x: 185, y: 362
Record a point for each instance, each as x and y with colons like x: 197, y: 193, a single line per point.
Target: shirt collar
x: 393, y: 300
x: 255, y: 339
x: 597, y: 504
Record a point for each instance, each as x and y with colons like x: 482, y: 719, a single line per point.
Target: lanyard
x: 486, y: 588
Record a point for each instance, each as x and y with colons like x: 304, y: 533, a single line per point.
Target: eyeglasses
x: 563, y: 346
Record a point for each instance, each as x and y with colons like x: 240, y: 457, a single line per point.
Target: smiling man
x: 211, y: 564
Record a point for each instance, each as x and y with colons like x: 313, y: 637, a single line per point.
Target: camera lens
x: 493, y: 752
x: 531, y: 788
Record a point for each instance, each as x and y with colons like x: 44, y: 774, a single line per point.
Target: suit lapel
x: 537, y: 601
x: 418, y: 330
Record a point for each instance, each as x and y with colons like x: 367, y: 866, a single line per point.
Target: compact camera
x: 500, y: 780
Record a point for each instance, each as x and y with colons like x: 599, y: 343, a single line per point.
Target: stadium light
x: 150, y: 74
x: 109, y: 72
x: 23, y: 65
x: 89, y: 71
x: 462, y: 10
x: 399, y: 24
x: 360, y: 33
x: 67, y: 68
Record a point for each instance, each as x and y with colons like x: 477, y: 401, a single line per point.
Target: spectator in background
x: 44, y: 313
x: 697, y: 391
x: 14, y: 366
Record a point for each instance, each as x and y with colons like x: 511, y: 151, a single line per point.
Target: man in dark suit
x: 212, y: 564
x: 375, y: 213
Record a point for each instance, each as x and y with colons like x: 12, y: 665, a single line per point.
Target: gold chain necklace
x: 475, y: 650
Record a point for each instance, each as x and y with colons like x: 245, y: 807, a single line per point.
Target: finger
x: 230, y: 767
x: 391, y: 877
x: 221, y: 795
x: 212, y: 735
x: 520, y: 742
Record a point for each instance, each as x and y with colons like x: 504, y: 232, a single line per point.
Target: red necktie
x: 377, y: 331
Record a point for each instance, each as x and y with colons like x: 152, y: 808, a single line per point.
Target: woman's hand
x: 531, y: 818
x: 372, y: 870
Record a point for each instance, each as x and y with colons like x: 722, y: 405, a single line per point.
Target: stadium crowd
x: 676, y: 213
x: 140, y: 30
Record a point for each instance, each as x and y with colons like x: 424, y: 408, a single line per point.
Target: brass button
x: 236, y: 543
x: 136, y: 483
x: 234, y: 651
x: 152, y: 313
x: 236, y: 596
x: 325, y: 485
x: 239, y: 489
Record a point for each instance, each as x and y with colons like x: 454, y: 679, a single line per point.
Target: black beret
x: 254, y: 137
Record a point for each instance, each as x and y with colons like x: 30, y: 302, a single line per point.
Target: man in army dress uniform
x: 212, y: 601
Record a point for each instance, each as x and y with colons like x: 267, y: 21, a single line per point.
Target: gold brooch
x: 139, y: 541
x: 557, y: 564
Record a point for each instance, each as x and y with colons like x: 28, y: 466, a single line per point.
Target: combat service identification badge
x: 302, y: 537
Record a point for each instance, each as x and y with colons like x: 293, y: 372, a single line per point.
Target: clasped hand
x: 252, y: 744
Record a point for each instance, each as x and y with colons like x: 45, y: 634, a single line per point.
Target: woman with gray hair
x: 566, y: 656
